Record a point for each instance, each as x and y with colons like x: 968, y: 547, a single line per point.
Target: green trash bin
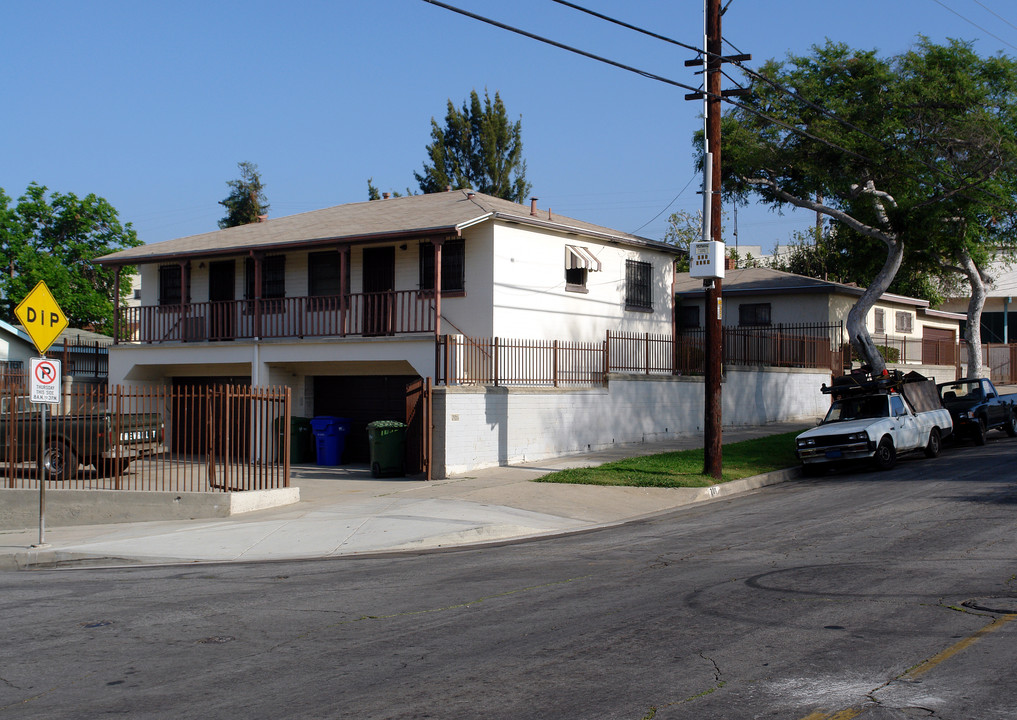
x: 301, y: 439
x: 387, y: 442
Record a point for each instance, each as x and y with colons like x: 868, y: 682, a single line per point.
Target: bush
x: 890, y: 355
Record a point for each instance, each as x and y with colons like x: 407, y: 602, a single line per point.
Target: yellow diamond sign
x: 42, y: 317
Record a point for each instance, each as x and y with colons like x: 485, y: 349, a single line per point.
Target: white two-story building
x: 348, y: 306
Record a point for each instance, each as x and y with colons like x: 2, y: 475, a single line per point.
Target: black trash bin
x: 301, y: 439
x: 330, y: 438
x: 387, y: 442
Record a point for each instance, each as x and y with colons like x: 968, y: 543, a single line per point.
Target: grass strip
x: 684, y: 468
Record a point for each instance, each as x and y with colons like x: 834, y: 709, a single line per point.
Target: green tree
x: 246, y: 201
x: 900, y: 151
x: 55, y: 239
x: 478, y: 149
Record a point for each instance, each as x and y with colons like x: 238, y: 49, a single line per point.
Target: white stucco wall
x: 488, y: 426
x: 530, y: 300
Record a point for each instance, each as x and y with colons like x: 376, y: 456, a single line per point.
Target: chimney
x: 262, y: 218
x: 533, y: 206
x: 730, y: 263
x: 469, y: 194
x: 384, y: 196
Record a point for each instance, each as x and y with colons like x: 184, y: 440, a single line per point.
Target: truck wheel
x: 1011, y: 424
x: 980, y: 432
x: 886, y: 455
x: 58, y: 462
x: 935, y: 444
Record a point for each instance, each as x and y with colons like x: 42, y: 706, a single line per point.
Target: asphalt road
x: 831, y: 598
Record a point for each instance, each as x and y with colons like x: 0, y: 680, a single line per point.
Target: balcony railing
x: 364, y: 314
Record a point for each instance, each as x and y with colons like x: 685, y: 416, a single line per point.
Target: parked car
x: 101, y: 439
x: 977, y: 407
x: 875, y: 419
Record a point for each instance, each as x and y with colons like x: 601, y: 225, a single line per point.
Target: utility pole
x: 712, y: 437
x: 711, y: 63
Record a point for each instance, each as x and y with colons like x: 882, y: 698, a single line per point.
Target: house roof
x: 767, y: 281
x: 437, y: 214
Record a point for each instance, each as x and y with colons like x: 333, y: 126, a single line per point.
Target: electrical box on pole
x: 706, y: 260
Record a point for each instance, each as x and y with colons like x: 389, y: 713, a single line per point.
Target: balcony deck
x: 361, y: 314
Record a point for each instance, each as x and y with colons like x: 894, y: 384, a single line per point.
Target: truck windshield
x: 858, y: 407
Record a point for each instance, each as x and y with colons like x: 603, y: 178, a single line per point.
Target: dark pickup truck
x: 104, y: 440
x: 977, y: 407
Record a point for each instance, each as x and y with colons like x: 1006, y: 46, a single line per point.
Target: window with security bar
x: 638, y: 288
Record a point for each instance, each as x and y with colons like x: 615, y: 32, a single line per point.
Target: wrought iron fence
x: 501, y: 361
x: 903, y: 350
x: 194, y: 439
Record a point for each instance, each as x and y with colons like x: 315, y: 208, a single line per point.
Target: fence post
x: 495, y: 362
x: 554, y: 364
x: 646, y: 352
x: 607, y: 355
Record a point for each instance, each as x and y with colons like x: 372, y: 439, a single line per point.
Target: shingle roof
x: 767, y: 281
x: 420, y: 215
x: 757, y: 280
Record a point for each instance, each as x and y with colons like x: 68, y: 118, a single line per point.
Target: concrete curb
x: 50, y: 558
x: 20, y: 508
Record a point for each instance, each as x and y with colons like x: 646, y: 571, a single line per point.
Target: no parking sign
x: 45, y: 381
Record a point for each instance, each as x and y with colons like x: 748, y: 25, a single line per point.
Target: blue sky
x: 152, y: 105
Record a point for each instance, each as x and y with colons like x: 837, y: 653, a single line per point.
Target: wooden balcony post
x: 116, y: 304
x: 257, y: 293
x: 437, y: 243
x: 185, y: 299
x: 344, y: 289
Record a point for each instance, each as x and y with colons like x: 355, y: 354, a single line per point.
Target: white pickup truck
x: 875, y: 421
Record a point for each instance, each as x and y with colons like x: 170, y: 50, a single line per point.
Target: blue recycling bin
x: 330, y: 438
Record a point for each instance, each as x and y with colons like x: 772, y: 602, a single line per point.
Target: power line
x: 782, y: 89
x: 972, y: 22
x: 988, y: 9
x: 673, y: 201
x: 650, y: 76
x: 746, y: 108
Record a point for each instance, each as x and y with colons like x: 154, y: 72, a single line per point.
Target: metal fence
x: 194, y: 439
x: 555, y: 363
x: 897, y: 349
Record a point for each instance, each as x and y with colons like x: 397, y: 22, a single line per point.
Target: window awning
x: 580, y: 258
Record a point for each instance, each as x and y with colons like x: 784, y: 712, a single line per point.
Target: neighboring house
x: 16, y: 347
x: 754, y: 297
x: 999, y: 319
x: 83, y: 351
x: 345, y: 305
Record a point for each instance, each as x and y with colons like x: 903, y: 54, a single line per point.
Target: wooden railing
x: 382, y: 313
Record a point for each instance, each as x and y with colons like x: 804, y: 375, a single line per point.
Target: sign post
x: 44, y: 321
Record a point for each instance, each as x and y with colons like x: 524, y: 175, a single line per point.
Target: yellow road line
x: 957, y: 647
x: 924, y: 666
x: 841, y: 715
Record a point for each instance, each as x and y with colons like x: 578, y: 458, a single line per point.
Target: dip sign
x: 44, y: 321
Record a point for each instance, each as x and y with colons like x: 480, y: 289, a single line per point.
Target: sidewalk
x: 345, y: 511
